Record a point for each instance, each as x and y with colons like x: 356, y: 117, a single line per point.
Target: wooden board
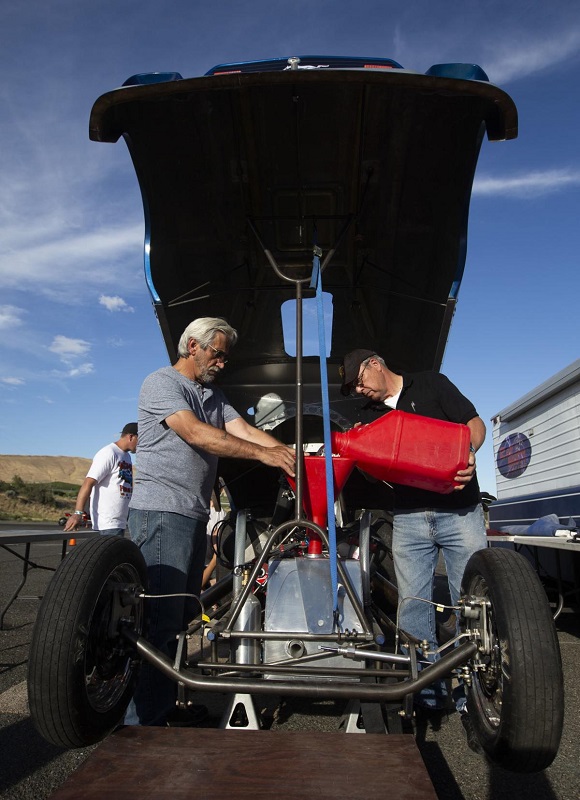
x: 149, y: 763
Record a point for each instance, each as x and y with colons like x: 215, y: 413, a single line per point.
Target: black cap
x: 350, y: 367
x: 130, y: 427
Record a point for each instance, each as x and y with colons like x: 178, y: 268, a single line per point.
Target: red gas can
x: 408, y: 449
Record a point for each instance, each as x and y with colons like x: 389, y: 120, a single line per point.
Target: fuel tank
x: 299, y: 599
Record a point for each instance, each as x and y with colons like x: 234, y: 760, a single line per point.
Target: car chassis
x: 353, y: 652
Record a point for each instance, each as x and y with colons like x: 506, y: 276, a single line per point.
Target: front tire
x: 516, y: 701
x: 81, y: 671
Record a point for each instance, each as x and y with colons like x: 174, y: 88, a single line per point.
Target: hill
x: 46, y: 486
x: 44, y: 469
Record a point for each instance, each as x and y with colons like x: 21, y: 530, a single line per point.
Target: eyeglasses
x: 220, y: 355
x: 359, y: 383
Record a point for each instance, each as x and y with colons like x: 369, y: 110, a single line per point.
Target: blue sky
x: 77, y: 330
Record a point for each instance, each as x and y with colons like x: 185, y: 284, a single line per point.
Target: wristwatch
x: 79, y: 513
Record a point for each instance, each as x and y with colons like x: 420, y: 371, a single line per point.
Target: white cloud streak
x: 12, y: 381
x: 10, y: 316
x: 89, y: 259
x: 509, y: 60
x: 80, y: 370
x: 528, y: 186
x: 74, y: 372
x: 116, y: 342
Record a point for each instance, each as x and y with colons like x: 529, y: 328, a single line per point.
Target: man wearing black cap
x: 109, y: 484
x: 425, y: 522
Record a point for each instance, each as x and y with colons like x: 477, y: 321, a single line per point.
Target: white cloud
x: 12, y: 381
x: 70, y: 262
x: 114, y: 303
x: 69, y: 351
x: 69, y: 348
x: 10, y: 316
x: 510, y: 41
x: 75, y: 372
x: 509, y: 60
x: 116, y: 341
x: 528, y: 186
x: 82, y: 369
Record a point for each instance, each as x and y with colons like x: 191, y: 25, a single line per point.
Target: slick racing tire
x: 81, y: 672
x: 516, y: 702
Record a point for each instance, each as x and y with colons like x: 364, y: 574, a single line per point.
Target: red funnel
x: 314, y: 490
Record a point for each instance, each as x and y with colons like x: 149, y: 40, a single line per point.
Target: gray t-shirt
x: 170, y: 474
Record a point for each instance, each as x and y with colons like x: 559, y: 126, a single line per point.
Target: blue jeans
x: 418, y: 536
x: 174, y: 550
x: 113, y: 532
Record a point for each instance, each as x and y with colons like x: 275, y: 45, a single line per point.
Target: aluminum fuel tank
x: 299, y: 600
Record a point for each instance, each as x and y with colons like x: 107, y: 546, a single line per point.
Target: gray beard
x: 208, y: 376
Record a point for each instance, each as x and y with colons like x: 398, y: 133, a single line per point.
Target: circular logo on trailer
x: 513, y: 456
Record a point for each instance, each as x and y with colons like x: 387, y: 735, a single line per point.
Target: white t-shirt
x: 113, y: 471
x: 391, y: 402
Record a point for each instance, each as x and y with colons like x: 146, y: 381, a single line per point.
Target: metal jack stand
x: 362, y: 718
x: 240, y: 714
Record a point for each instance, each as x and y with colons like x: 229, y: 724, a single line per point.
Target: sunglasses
x: 219, y: 355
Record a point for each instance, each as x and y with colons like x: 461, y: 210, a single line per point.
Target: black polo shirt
x: 432, y: 394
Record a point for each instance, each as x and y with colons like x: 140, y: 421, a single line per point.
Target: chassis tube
x: 342, y: 672
x: 363, y: 691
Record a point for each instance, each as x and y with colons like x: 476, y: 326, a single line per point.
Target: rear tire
x: 81, y: 672
x: 516, y: 705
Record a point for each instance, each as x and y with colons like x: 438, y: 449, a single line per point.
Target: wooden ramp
x: 149, y: 763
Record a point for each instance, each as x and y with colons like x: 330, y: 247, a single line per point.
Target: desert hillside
x: 44, y: 469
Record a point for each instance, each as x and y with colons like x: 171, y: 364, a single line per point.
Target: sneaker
x: 189, y: 717
x: 472, y: 740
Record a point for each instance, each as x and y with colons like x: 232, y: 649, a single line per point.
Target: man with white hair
x: 185, y: 425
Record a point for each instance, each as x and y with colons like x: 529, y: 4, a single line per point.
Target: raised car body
x: 262, y: 161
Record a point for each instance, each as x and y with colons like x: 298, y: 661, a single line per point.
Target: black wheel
x: 81, y: 671
x: 62, y: 521
x: 516, y: 699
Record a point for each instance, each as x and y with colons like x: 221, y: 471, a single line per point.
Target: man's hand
x: 82, y: 501
x: 73, y: 522
x: 465, y: 475
x: 280, y: 456
x: 477, y: 429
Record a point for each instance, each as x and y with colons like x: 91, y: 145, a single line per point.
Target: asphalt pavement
x: 32, y: 768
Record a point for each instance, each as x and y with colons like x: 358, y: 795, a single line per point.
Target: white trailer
x: 536, y: 443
